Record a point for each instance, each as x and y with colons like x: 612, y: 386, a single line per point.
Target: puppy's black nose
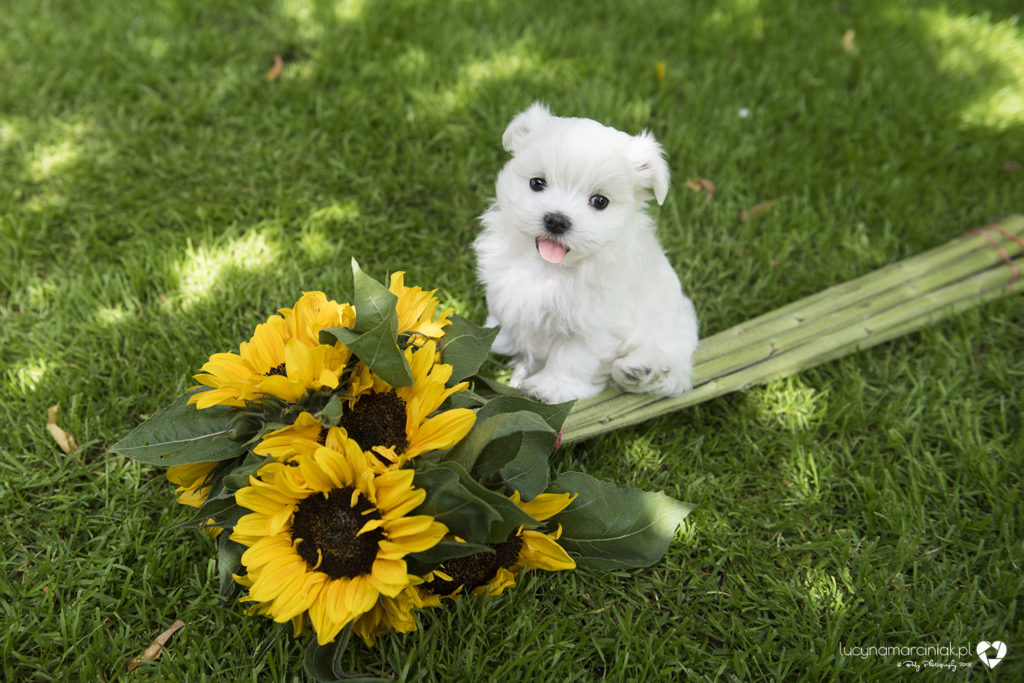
x: 557, y: 223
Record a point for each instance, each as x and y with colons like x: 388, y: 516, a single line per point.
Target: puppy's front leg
x: 503, y: 344
x: 573, y: 371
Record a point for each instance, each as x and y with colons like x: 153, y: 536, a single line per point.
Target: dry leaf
x: 1009, y: 167
x: 155, y: 648
x: 758, y: 209
x: 65, y: 441
x: 274, y: 72
x: 848, y: 42
x: 659, y: 72
x: 702, y: 185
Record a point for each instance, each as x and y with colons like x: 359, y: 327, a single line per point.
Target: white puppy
x: 573, y: 271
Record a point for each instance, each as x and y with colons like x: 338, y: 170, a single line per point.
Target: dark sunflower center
x: 377, y: 420
x: 281, y: 370
x: 476, y: 570
x: 327, y: 526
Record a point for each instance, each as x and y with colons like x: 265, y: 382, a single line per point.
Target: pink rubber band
x: 1007, y: 233
x: 1006, y: 257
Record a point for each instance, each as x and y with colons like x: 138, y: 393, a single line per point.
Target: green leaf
x: 490, y: 387
x: 554, y: 414
x: 465, y: 346
x: 238, y: 477
x: 323, y: 662
x: 229, y: 561
x: 224, y: 512
x: 528, y: 470
x: 180, y: 434
x: 607, y: 527
x: 331, y: 413
x: 510, y: 449
x: 488, y: 429
x: 469, y: 510
x: 374, y: 336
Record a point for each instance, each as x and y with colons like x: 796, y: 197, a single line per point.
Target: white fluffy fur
x: 612, y: 309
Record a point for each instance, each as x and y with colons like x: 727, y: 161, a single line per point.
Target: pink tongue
x: 552, y: 252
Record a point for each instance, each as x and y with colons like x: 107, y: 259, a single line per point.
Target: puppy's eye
x: 538, y: 184
x: 599, y: 202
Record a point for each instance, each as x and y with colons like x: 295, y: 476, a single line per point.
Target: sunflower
x: 416, y: 309
x: 284, y: 357
x: 523, y: 550
x: 397, y: 424
x: 328, y: 536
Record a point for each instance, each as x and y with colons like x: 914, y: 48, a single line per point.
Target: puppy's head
x: 574, y: 186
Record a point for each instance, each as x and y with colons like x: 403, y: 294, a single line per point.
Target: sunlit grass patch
x: 991, y: 51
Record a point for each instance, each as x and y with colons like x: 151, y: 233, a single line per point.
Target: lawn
x: 164, y: 187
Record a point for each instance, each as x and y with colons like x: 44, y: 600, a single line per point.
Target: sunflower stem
x: 888, y: 303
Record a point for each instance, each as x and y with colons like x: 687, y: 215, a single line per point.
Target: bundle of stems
x: 890, y: 302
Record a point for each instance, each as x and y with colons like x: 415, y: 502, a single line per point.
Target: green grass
x: 159, y: 197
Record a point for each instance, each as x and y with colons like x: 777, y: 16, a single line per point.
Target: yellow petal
x: 417, y: 542
x: 502, y: 580
x: 298, y: 360
x: 293, y: 602
x: 396, y: 504
x: 252, y: 525
x: 282, y: 387
x: 265, y: 550
x: 408, y: 526
x: 279, y: 576
x: 546, y: 505
x: 442, y: 431
x: 312, y: 469
x: 389, y: 577
x: 259, y: 497
x: 205, y: 399
x: 339, y: 468
x: 327, y: 619
x: 539, y: 551
x: 361, y: 595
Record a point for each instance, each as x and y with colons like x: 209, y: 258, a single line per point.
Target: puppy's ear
x: 650, y: 165
x: 524, y: 125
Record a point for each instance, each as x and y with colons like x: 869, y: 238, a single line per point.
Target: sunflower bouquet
x: 352, y: 467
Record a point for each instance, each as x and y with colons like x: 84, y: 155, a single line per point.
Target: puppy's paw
x: 636, y: 377
x: 549, y: 389
x: 519, y: 374
x: 641, y: 374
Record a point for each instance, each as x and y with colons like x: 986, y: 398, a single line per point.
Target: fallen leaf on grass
x: 659, y: 72
x: 65, y: 441
x: 702, y: 185
x: 848, y: 43
x: 274, y: 72
x: 757, y: 210
x: 155, y: 648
